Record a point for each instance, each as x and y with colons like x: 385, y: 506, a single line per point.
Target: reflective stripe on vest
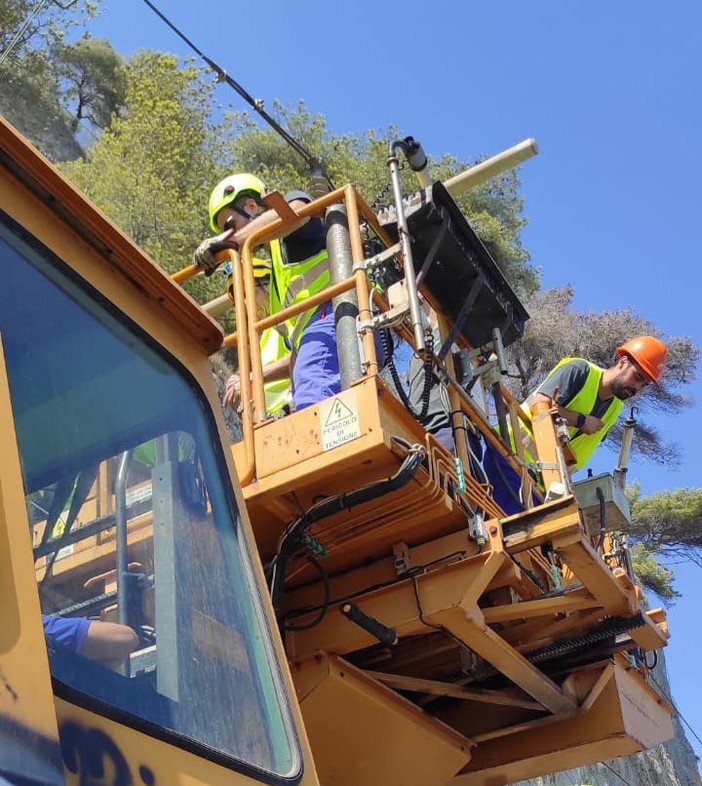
x: 582, y: 445
x: 296, y: 282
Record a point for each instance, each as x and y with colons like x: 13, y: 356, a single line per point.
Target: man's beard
x: 622, y: 391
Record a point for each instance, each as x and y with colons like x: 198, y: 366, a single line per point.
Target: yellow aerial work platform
x: 414, y: 612
x: 430, y: 637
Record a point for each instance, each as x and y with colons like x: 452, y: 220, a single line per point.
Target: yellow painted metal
x: 363, y: 732
x: 434, y: 688
x: 465, y: 611
x: 470, y: 628
x: 625, y: 716
x: 130, y: 753
x: 25, y: 698
x: 293, y: 466
x: 38, y: 198
x: 52, y: 201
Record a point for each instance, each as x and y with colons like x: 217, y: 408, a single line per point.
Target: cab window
x: 150, y: 607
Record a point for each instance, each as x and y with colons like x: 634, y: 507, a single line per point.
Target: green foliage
x: 666, y: 528
x: 669, y: 523
x: 150, y: 167
x: 94, y: 78
x: 652, y: 575
x: 30, y: 94
x: 495, y: 209
x: 30, y: 100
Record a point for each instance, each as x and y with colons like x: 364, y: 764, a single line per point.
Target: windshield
x: 149, y: 604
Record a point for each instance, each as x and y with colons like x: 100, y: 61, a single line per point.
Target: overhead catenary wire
x: 28, y: 21
x: 677, y: 711
x: 618, y: 774
x: 256, y: 104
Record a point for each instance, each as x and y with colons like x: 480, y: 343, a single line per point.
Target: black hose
x: 429, y: 380
x: 330, y: 506
x: 603, y: 518
x: 325, y: 602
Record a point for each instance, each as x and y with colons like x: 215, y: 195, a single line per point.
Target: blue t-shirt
x: 67, y: 632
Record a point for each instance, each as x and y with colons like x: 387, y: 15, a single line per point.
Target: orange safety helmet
x: 647, y: 352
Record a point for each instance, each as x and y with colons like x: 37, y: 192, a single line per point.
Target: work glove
x: 204, y: 255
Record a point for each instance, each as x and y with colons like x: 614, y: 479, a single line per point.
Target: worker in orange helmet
x: 589, y: 399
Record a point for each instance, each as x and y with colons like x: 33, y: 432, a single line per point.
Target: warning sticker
x: 339, y: 420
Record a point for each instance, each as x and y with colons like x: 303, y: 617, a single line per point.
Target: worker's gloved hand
x: 204, y: 255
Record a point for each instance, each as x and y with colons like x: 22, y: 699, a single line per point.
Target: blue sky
x: 610, y: 91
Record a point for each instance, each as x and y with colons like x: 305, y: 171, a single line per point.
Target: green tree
x: 495, y: 209
x: 30, y: 96
x: 667, y: 529
x: 94, y: 80
x: 151, y: 166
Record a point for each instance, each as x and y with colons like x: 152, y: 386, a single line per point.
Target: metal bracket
x: 377, y: 259
x: 402, y: 558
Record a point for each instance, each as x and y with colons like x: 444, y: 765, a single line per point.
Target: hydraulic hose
x: 335, y: 504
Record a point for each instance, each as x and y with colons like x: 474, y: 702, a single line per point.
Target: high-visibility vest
x: 582, y: 445
x: 277, y: 393
x: 296, y: 282
x: 273, y: 347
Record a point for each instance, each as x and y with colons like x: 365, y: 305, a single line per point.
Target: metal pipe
x: 363, y: 290
x: 248, y: 380
x: 500, y: 410
x: 478, y: 174
x: 407, y: 263
x: 345, y: 304
x: 417, y: 159
x: 121, y: 535
x: 218, y: 306
x: 624, y: 450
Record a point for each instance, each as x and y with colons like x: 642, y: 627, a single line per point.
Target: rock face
x: 26, y: 110
x: 671, y: 764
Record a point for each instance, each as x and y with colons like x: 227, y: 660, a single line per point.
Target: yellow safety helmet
x: 261, y: 267
x: 227, y: 191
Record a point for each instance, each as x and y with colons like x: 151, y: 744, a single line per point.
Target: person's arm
x: 204, y: 255
x: 108, y: 643
x: 588, y: 424
x: 268, y: 217
x: 563, y: 385
x: 272, y: 372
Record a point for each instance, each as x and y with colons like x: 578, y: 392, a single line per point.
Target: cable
x: 677, y: 711
x: 256, y: 104
x: 322, y: 609
x: 22, y: 30
x: 328, y: 506
x: 619, y: 775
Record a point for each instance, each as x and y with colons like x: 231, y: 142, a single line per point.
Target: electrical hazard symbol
x: 339, y: 420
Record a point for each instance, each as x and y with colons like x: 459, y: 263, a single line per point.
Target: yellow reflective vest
x: 583, y: 445
x: 272, y: 347
x: 294, y: 283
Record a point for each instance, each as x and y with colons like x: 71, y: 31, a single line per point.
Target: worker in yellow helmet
x: 589, y: 399
x: 300, y: 269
